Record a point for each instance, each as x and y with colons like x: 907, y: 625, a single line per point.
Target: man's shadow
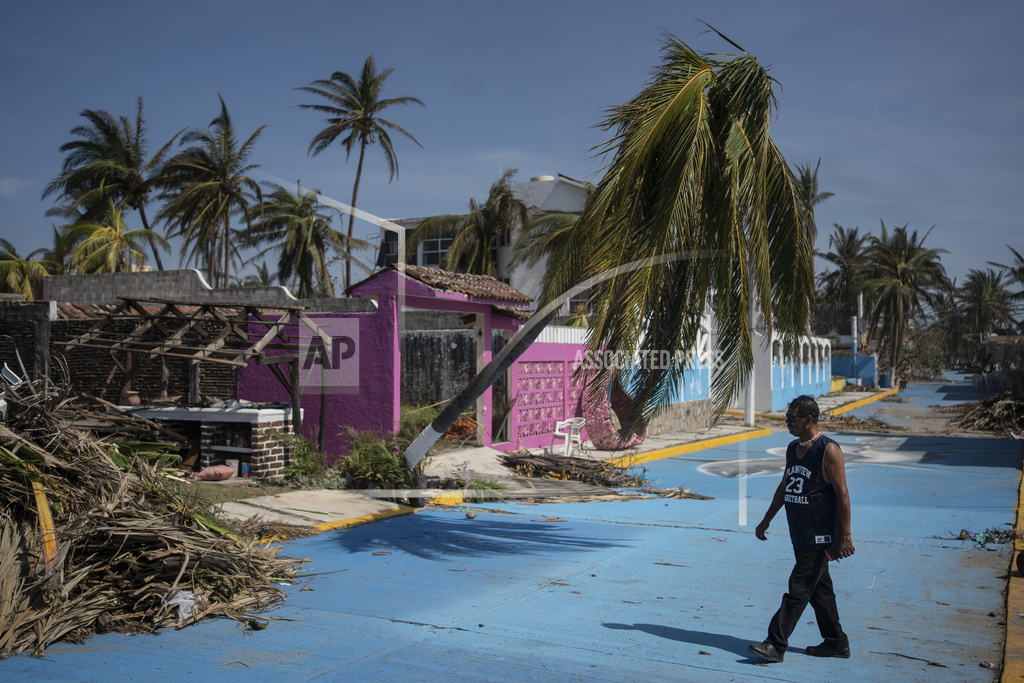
x: 714, y: 640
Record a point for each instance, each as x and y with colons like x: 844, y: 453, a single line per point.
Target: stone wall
x: 180, y: 285
x: 25, y: 336
x: 688, y: 416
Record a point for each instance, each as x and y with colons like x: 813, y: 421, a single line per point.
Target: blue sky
x: 913, y: 107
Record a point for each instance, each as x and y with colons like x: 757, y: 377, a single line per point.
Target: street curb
x: 839, y: 410
x: 691, y: 447
x: 346, y: 523
x: 453, y: 498
x: 1013, y: 648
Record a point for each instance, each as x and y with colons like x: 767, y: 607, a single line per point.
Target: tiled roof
x: 72, y: 311
x: 76, y: 311
x: 479, y: 286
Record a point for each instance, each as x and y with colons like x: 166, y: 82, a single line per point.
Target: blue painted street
x: 659, y: 589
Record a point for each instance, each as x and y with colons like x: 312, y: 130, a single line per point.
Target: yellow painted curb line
x: 344, y: 523
x: 839, y: 410
x: 372, y: 517
x: 453, y: 498
x: 1013, y: 649
x: 691, y: 447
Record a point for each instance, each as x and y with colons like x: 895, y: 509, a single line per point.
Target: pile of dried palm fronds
x: 1002, y: 414
x: 94, y: 536
x: 523, y: 463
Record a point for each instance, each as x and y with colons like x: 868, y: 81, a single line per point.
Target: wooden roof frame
x: 174, y: 320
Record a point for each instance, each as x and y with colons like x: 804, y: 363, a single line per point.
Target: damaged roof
x: 478, y: 286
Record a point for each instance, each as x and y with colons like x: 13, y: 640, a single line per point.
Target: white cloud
x: 12, y: 187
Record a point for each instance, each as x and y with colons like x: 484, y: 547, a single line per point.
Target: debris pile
x: 95, y: 535
x: 1002, y: 414
x: 523, y: 463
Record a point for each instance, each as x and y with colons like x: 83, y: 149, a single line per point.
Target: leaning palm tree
x: 295, y: 225
x: 474, y: 235
x: 808, y: 179
x: 697, y: 210
x: 109, y: 161
x: 23, y: 274
x: 108, y: 246
x: 904, y: 275
x: 353, y: 108
x: 203, y: 187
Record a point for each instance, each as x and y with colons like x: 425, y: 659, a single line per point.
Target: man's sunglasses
x: 790, y: 419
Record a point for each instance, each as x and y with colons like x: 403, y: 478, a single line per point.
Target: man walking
x: 813, y: 489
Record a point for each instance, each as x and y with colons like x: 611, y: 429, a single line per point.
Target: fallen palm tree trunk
x: 597, y: 472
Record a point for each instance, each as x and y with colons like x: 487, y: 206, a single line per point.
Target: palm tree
x: 904, y: 274
x: 108, y: 246
x: 846, y: 253
x: 1016, y: 272
x: 294, y: 224
x: 204, y: 186
x: 701, y: 211
x: 986, y: 303
x: 542, y: 235
x: 108, y: 161
x: 23, y: 274
x: 808, y: 180
x: 353, y: 108
x: 474, y: 235
x: 950, y: 320
x: 262, y: 278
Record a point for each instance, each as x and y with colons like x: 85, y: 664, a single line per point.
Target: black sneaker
x: 767, y: 652
x: 827, y: 649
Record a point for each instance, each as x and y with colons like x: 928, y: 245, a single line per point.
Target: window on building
x: 433, y: 250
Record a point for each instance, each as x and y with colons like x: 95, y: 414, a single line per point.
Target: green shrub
x: 374, y: 461
x: 305, y: 457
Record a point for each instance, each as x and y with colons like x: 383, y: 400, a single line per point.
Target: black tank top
x: 810, y: 500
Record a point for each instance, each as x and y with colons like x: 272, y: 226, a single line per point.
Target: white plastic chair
x: 569, y: 431
x: 10, y: 377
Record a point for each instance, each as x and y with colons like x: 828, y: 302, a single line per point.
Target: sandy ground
x: 895, y: 415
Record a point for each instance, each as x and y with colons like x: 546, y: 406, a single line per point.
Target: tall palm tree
x: 948, y: 317
x: 846, y: 253
x: 986, y: 302
x: 295, y: 225
x: 474, y: 235
x: 701, y: 210
x: 23, y: 274
x: 204, y: 186
x: 108, y: 246
x: 353, y: 108
x: 808, y: 180
x: 904, y: 275
x: 109, y: 161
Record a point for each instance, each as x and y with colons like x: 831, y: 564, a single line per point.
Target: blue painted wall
x: 864, y: 368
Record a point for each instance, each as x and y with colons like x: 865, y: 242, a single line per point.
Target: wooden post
x: 296, y: 404
x: 193, y: 383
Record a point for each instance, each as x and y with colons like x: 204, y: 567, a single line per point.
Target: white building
x: 541, y: 193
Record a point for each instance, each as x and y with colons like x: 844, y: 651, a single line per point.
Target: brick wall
x: 94, y: 371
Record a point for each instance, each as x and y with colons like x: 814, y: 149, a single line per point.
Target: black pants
x: 809, y: 582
